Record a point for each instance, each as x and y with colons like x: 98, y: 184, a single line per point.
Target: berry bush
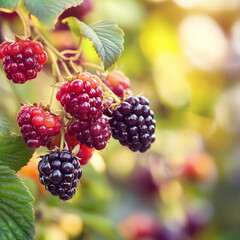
x: 97, y: 143
x: 87, y: 108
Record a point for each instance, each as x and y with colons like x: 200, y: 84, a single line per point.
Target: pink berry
x: 82, y: 98
x: 37, y: 126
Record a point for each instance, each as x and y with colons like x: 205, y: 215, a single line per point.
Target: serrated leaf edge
x: 65, y: 20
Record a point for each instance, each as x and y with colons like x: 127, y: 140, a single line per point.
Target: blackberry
x: 118, y: 83
x: 37, y: 126
x: 82, y: 97
x: 84, y: 153
x: 133, y: 124
x: 60, y: 172
x: 93, y: 135
x: 22, y: 60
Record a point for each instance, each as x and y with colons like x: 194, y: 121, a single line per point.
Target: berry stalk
x: 27, y: 31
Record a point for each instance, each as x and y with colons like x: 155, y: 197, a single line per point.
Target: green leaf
x: 47, y: 11
x: 8, y: 3
x: 106, y: 36
x: 14, y: 152
x: 4, y: 127
x: 16, y: 212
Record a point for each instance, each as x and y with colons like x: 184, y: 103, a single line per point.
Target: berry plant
x: 91, y: 107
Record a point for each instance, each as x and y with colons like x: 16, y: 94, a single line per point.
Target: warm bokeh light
x: 203, y: 42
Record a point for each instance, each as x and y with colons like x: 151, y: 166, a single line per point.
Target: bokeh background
x: 184, y: 55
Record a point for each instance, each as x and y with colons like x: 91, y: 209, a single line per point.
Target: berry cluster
x: 82, y: 97
x: 22, y: 60
x: 133, y: 124
x: 84, y: 153
x: 93, y: 135
x: 90, y: 106
x: 118, y: 83
x: 60, y: 172
x: 37, y: 126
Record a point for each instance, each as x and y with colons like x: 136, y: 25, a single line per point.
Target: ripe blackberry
x: 133, y: 124
x: 118, y: 83
x: 60, y: 172
x: 82, y: 97
x: 22, y: 59
x: 84, y: 153
x: 93, y: 135
x: 37, y: 126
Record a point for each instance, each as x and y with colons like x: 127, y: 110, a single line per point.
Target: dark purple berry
x: 60, y: 173
x: 133, y: 124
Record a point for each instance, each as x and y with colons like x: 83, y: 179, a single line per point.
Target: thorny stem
x: 27, y: 31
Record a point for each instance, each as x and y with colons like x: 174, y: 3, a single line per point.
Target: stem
x: 87, y: 64
x: 62, y: 134
x: 68, y: 52
x: 21, y: 14
x: 55, y: 66
x: 75, y: 58
x: 52, y: 95
x: 48, y: 43
x: 65, y: 68
x: 74, y: 67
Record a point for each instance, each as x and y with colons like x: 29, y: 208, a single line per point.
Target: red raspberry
x: 118, y: 83
x: 37, y: 126
x: 22, y: 60
x: 82, y: 97
x: 84, y: 153
x: 93, y: 135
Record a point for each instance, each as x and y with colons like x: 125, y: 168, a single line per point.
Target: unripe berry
x: 37, y: 126
x: 82, y: 97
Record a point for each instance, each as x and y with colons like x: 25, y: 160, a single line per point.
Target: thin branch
x: 87, y: 64
x: 21, y: 14
x: 65, y: 68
